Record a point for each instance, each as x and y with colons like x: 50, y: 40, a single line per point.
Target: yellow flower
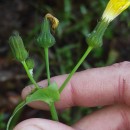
x: 114, y: 8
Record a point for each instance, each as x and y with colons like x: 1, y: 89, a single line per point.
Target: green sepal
x: 48, y: 95
x: 17, y: 47
x: 95, y: 38
x: 45, y: 39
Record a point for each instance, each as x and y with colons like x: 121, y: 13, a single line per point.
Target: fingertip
x: 41, y: 124
x: 29, y: 128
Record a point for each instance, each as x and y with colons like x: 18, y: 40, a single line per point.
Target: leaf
x: 48, y: 95
x: 19, y: 107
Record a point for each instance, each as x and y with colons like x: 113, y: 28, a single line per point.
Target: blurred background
x: 77, y: 19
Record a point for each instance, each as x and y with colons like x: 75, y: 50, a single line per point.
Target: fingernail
x: 31, y: 128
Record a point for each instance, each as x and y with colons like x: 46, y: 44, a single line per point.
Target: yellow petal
x: 114, y: 8
x: 54, y: 21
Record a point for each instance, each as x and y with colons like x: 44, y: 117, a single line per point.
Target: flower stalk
x: 75, y: 68
x: 47, y: 65
x: 30, y: 75
x: 45, y: 41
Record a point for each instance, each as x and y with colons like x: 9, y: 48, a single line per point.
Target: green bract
x: 30, y: 63
x: 17, y: 47
x: 95, y: 38
x: 48, y: 95
x: 45, y: 38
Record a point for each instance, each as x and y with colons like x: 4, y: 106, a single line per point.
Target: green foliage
x: 76, y: 22
x: 48, y: 95
x: 2, y: 121
x: 18, y: 108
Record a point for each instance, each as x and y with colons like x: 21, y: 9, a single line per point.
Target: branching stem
x: 75, y: 68
x: 52, y: 105
x: 47, y: 65
x: 29, y: 75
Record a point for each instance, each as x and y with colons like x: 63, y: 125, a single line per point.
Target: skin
x: 107, y: 86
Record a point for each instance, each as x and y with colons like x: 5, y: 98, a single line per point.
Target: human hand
x: 106, y: 86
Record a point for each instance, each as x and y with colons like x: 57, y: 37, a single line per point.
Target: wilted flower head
x: 114, y: 8
x: 46, y: 39
x: 54, y: 20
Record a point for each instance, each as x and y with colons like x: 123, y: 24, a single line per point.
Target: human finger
x: 110, y: 118
x: 41, y: 124
x: 92, y: 87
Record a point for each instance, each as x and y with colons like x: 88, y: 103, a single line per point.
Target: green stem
x: 75, y: 68
x: 29, y: 74
x: 53, y: 112
x: 47, y: 65
x: 52, y: 105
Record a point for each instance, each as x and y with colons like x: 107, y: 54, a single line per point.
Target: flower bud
x: 95, y: 38
x: 45, y: 39
x: 17, y: 47
x: 30, y: 63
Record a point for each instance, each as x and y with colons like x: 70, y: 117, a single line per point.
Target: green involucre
x: 95, y: 38
x: 45, y: 38
x: 17, y: 47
